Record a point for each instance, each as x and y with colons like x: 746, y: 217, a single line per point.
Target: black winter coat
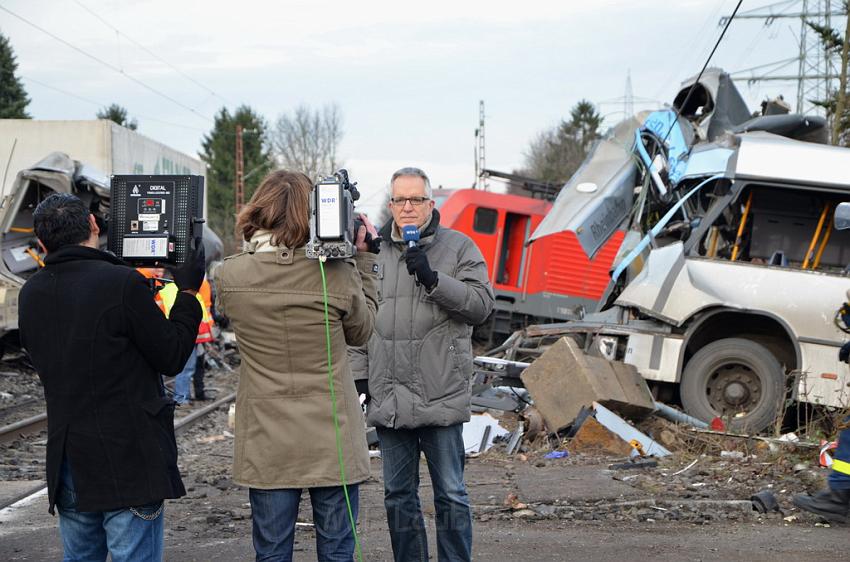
x: 99, y: 343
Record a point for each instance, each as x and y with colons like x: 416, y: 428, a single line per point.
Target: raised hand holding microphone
x: 417, y: 260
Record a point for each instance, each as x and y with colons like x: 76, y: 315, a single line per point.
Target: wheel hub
x: 733, y: 387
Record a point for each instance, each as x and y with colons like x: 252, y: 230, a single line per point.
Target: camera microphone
x: 410, y: 234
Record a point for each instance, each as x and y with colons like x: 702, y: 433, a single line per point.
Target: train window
x: 485, y: 220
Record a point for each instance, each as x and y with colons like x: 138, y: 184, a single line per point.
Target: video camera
x: 333, y: 226
x: 155, y: 218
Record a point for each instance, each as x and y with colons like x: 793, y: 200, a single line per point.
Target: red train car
x: 545, y: 281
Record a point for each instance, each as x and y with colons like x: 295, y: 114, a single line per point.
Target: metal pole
x: 240, y: 180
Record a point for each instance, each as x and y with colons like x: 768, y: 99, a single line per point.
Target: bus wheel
x: 736, y: 379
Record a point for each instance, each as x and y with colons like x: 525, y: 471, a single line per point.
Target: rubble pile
x: 666, y: 470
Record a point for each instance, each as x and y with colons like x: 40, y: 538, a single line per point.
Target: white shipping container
x: 101, y: 144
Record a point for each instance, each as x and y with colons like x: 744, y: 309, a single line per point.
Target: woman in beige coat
x: 285, y: 434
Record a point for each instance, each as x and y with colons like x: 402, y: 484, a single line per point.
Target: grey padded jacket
x: 419, y: 358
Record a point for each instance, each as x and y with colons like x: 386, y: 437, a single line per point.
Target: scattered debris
x: 556, y: 455
x: 678, y: 472
x: 634, y: 464
x: 784, y: 440
x: 675, y: 415
x: 210, y: 439
x: 593, y: 437
x: 479, y: 432
x: 765, y: 502
x: 231, y: 416
x: 626, y: 432
x: 515, y: 439
x: 825, y: 459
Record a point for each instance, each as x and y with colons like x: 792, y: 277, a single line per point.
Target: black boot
x: 830, y: 504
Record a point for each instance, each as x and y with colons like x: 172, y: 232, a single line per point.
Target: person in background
x: 833, y: 502
x: 206, y: 335
x: 99, y: 345
x: 166, y: 297
x: 286, y: 435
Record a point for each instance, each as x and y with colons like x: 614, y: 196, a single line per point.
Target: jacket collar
x: 424, y: 237
x: 261, y: 241
x: 76, y: 253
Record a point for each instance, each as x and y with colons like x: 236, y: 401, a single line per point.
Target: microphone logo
x: 410, y: 234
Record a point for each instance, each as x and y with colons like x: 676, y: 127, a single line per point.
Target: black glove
x: 417, y: 264
x: 362, y: 386
x: 190, y: 275
x: 844, y: 353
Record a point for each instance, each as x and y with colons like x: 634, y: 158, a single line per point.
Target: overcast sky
x: 407, y: 76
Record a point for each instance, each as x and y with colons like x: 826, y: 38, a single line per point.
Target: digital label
x: 145, y: 247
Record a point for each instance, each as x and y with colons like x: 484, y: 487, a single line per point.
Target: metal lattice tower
x: 816, y: 69
x: 628, y: 97
x: 480, y: 160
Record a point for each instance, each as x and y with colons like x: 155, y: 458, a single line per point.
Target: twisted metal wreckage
x: 727, y: 283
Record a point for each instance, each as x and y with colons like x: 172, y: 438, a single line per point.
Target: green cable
x: 335, y: 416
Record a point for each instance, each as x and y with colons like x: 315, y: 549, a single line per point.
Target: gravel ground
x: 526, y: 507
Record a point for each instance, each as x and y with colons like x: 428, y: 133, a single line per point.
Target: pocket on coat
x: 438, y: 364
x: 160, y: 413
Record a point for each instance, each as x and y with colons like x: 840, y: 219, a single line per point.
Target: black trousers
x: 198, y: 378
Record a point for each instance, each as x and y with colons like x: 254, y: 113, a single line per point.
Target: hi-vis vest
x: 167, y: 295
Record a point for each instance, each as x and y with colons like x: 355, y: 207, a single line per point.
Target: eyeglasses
x: 402, y: 201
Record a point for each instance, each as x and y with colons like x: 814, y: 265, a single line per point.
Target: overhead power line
x: 151, y: 53
x: 101, y: 104
x: 707, y: 61
x: 108, y: 65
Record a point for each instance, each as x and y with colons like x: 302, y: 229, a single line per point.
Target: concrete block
x: 564, y: 379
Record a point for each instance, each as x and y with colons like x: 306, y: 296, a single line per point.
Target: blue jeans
x: 274, y: 513
x: 130, y: 535
x: 444, y: 452
x: 839, y: 476
x: 183, y: 380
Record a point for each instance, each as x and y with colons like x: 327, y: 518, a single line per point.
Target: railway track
x: 36, y: 424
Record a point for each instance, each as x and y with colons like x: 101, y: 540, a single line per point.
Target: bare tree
x: 308, y: 140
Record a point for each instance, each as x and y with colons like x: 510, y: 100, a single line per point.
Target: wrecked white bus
x: 725, y: 291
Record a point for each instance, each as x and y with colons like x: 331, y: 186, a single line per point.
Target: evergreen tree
x: 13, y: 97
x: 118, y: 114
x: 557, y: 153
x: 219, y: 153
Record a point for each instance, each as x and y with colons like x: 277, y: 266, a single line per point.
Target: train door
x: 510, y: 269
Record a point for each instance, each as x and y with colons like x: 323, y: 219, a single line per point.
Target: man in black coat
x: 99, y: 344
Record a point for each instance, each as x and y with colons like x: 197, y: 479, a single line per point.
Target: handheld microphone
x: 410, y: 234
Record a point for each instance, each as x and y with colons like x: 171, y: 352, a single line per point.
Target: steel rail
x: 179, y: 426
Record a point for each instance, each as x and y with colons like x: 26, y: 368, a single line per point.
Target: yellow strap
x: 841, y: 466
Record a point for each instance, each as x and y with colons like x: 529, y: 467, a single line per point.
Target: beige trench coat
x: 284, y: 427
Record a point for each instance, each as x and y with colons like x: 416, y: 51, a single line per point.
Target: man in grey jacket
x: 419, y: 367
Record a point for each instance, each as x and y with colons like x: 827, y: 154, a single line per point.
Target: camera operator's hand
x: 190, y: 275
x: 367, y: 239
x: 417, y: 264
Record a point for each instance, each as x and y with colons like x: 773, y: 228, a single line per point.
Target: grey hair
x: 413, y: 172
